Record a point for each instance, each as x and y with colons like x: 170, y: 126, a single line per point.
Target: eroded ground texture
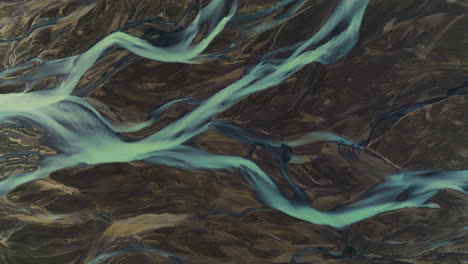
x: 233, y: 131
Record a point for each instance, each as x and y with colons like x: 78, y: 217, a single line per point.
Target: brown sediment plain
x: 400, y: 93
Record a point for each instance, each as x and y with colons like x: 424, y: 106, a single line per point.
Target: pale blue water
x: 82, y: 135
